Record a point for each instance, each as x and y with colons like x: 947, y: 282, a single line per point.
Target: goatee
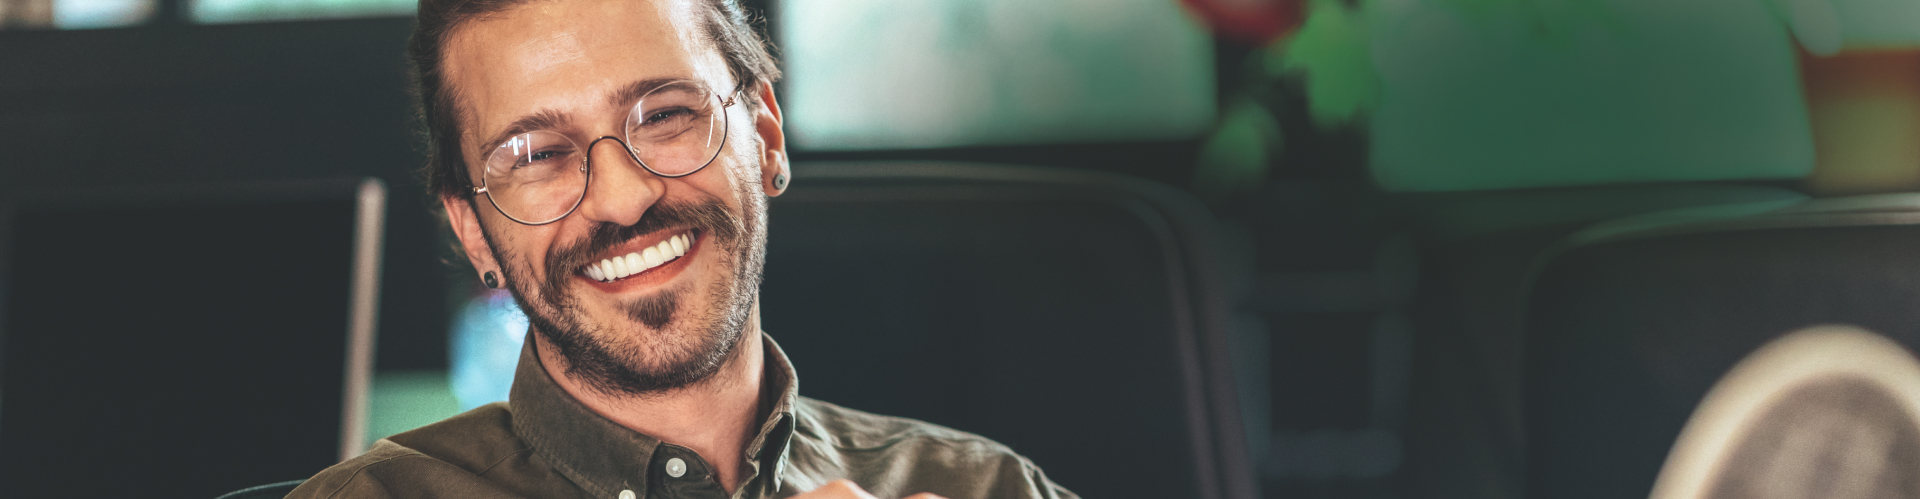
x: 682, y: 343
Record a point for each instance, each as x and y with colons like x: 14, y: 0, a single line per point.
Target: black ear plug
x: 491, y: 281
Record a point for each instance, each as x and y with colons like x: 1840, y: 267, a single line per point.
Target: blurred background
x: 1380, y: 174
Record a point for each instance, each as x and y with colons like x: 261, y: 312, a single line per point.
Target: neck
x: 716, y: 417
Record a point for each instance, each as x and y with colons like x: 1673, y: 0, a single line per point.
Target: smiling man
x: 609, y: 163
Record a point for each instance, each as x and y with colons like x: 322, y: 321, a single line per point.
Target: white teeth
x: 666, y: 249
x: 618, y: 267
x: 634, y: 264
x: 652, y: 257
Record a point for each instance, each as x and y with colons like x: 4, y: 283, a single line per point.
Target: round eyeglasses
x: 540, y: 177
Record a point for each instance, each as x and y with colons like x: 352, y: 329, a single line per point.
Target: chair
x: 1071, y: 315
x: 1477, y: 248
x: 1630, y: 322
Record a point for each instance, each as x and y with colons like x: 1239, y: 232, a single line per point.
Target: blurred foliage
x: 1234, y: 158
x: 1331, y: 53
x: 1479, y: 94
x: 1332, y: 50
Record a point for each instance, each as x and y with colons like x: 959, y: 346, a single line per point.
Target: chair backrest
x: 191, y: 339
x: 1632, y: 322
x: 1071, y: 315
x: 1475, y: 250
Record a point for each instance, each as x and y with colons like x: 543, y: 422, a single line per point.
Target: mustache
x: 711, y: 218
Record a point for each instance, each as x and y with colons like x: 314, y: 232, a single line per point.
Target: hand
x: 846, y: 489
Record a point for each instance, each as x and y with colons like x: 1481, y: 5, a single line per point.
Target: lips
x: 614, y: 268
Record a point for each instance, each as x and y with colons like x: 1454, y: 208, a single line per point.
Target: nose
x: 619, y: 190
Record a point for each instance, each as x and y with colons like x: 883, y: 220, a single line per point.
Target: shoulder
x: 450, y: 458
x: 850, y: 430
x: 894, y: 457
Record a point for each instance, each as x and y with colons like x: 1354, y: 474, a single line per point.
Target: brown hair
x: 726, y: 24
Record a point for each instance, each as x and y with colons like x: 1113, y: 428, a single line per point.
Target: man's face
x: 576, y: 65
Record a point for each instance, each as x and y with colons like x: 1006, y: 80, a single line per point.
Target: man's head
x: 491, y: 72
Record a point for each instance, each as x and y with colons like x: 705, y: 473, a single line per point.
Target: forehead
x: 567, y: 56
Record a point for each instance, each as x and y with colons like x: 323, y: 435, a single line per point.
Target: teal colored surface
x: 90, y: 14
x: 1584, y: 93
x: 404, y: 400
x: 889, y: 74
x: 239, y: 11
x: 487, y: 335
x: 1875, y: 23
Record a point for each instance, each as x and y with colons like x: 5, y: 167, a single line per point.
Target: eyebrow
x: 631, y: 93
x: 544, y: 119
x: 547, y: 119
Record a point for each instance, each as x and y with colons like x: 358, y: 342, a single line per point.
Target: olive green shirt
x: 544, y: 443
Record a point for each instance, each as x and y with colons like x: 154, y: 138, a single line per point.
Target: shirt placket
x: 678, y: 473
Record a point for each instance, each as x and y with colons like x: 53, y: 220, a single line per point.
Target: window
x: 239, y: 11
x: 887, y: 74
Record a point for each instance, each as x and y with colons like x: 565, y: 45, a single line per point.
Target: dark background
x: 176, y: 103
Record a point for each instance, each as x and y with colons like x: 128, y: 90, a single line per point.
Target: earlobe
x: 781, y: 175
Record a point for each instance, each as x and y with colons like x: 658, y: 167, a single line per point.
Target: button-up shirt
x: 544, y: 443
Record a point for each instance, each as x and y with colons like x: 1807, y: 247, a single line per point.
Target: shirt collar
x: 605, y: 458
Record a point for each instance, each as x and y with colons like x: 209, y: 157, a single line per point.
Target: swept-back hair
x: 724, y: 22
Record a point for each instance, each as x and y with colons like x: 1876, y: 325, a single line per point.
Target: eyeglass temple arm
x: 737, y: 87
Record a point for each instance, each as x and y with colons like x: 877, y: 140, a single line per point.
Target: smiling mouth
x: 620, y: 267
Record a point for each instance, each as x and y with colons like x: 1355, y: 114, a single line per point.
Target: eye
x: 661, y: 116
x: 545, y: 158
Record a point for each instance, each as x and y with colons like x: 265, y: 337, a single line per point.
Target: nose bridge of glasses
x: 618, y: 192
x: 623, y: 147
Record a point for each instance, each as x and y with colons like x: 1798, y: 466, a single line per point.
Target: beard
x: 687, y: 335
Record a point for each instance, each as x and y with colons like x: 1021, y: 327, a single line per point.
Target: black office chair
x: 1633, y: 321
x: 1071, y: 315
x: 1476, y: 248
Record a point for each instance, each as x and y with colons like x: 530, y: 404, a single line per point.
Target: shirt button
x: 675, y: 468
x: 626, y: 494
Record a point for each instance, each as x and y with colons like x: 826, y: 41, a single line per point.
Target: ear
x: 466, y: 227
x: 775, y: 173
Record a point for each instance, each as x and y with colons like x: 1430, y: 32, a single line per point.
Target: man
x: 609, y: 161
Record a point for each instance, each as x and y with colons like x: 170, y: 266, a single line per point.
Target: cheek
x: 745, y: 156
x: 519, y: 244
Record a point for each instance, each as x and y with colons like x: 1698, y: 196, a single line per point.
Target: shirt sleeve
x: 1042, y: 487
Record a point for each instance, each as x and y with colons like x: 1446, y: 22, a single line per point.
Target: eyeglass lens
x: 674, y: 130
